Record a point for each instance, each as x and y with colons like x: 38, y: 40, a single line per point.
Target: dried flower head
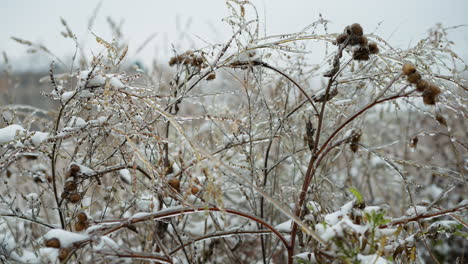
x: 441, y: 119
x: 373, y: 48
x: 174, y: 183
x: 358, y: 40
x: 408, y: 68
x: 356, y: 29
x: 74, y: 198
x: 194, y: 190
x: 80, y: 226
x: 82, y: 217
x: 414, y: 77
x: 53, y: 243
x: 414, y: 142
x: 354, y: 142
x: 210, y: 77
x: 341, y: 38
x: 421, y: 85
x: 430, y: 94
x: 63, y: 254
x: 74, y: 169
x: 70, y: 186
x: 361, y: 54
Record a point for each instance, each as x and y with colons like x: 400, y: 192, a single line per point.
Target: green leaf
x: 357, y: 194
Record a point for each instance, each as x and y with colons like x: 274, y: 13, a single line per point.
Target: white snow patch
x: 66, y: 238
x: 77, y: 122
x: 39, y: 137
x: 306, y: 256
x: 116, y: 83
x: 125, y: 176
x: 419, y: 210
x: 369, y: 209
x: 284, y: 227
x: 49, y: 255
x: 106, y: 243
x: 9, y: 133
x: 67, y: 95
x: 371, y: 259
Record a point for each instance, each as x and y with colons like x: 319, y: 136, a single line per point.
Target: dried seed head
x: 354, y: 142
x: 373, y: 48
x: 430, y: 94
x: 429, y: 100
x: 421, y: 85
x: 174, y: 183
x: 441, y: 119
x: 173, y: 61
x: 414, y: 77
x: 341, y: 38
x: 74, y: 198
x: 211, y: 77
x: 82, y: 217
x: 53, y: 243
x: 70, y: 186
x: 409, y: 68
x: 64, y: 195
x: 80, y: 226
x: 356, y: 29
x: 63, y: 254
x: 358, y: 40
x: 194, y: 190
x: 74, y: 169
x: 361, y: 54
x: 414, y: 142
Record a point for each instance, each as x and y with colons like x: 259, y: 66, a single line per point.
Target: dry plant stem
x: 136, y: 255
x: 28, y: 219
x: 54, y: 147
x: 427, y: 215
x: 263, y: 64
x: 188, y: 210
x: 311, y: 168
x: 220, y: 234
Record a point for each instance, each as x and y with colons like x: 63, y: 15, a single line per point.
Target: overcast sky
x: 403, y: 22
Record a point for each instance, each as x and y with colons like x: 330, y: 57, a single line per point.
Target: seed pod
x: 80, y: 226
x: 441, y: 119
x: 354, y: 143
x: 194, y: 190
x: 82, y: 217
x: 63, y: 254
x: 408, y: 68
x: 341, y: 38
x: 74, y: 198
x: 70, y: 186
x: 64, y: 195
x: 414, y: 142
x: 361, y: 54
x: 414, y: 77
x: 174, y: 183
x: 430, y: 94
x: 211, y: 77
x: 421, y: 85
x: 373, y: 48
x: 356, y: 29
x: 53, y: 243
x: 358, y: 40
x: 74, y: 169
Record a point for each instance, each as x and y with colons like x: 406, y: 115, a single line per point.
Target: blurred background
x: 161, y: 27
